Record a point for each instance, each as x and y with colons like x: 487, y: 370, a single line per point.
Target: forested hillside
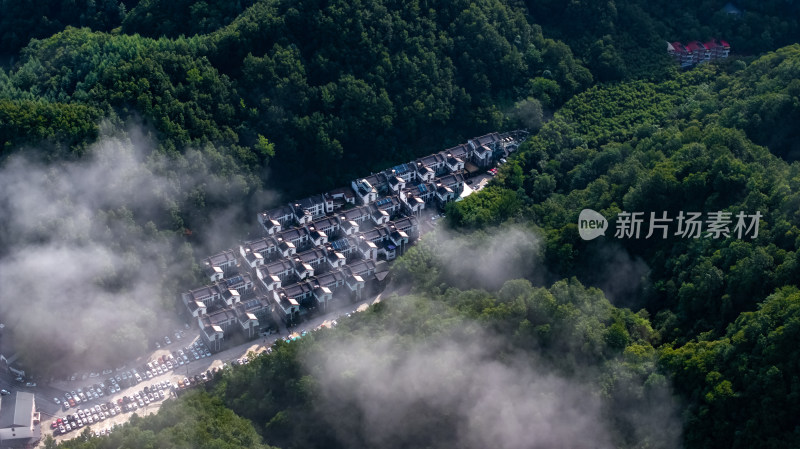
x: 338, y: 88
x: 723, y: 308
x: 618, y: 39
x: 711, y: 348
x: 137, y: 137
x: 284, y: 99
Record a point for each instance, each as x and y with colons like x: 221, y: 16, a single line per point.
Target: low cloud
x: 488, y: 259
x: 92, y: 255
x: 466, y: 387
x: 469, y: 392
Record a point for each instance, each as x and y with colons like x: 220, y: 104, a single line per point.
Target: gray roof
x: 330, y: 278
x: 291, y: 234
x: 451, y: 180
x: 405, y: 223
x: 432, y: 159
x: 361, y: 267
x: 279, y: 266
x: 311, y: 255
x: 223, y: 258
x: 260, y: 245
x: 355, y: 213
x: 482, y: 149
x: 16, y: 410
x: 324, y: 223
x: 346, y: 192
x: 298, y: 290
x: 377, y: 180
x: 308, y: 203
x: 459, y: 151
x: 487, y: 139
x: 222, y: 316
x: 422, y: 168
x: 203, y: 293
x: 280, y: 211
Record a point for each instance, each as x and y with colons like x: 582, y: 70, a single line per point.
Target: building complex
x: 332, y: 247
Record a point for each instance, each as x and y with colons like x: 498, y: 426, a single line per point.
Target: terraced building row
x: 332, y: 247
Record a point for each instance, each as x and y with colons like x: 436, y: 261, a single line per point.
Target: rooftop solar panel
x: 339, y: 244
x: 383, y: 201
x: 234, y: 280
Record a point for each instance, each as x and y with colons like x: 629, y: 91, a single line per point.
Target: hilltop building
x: 697, y: 52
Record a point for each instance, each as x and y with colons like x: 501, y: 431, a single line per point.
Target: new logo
x: 591, y: 224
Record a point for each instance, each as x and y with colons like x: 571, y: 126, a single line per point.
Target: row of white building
x: 330, y: 247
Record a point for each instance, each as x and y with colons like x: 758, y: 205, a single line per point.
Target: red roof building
x: 696, y: 52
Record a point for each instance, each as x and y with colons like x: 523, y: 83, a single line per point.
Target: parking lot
x: 96, y: 399
x: 169, y: 381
